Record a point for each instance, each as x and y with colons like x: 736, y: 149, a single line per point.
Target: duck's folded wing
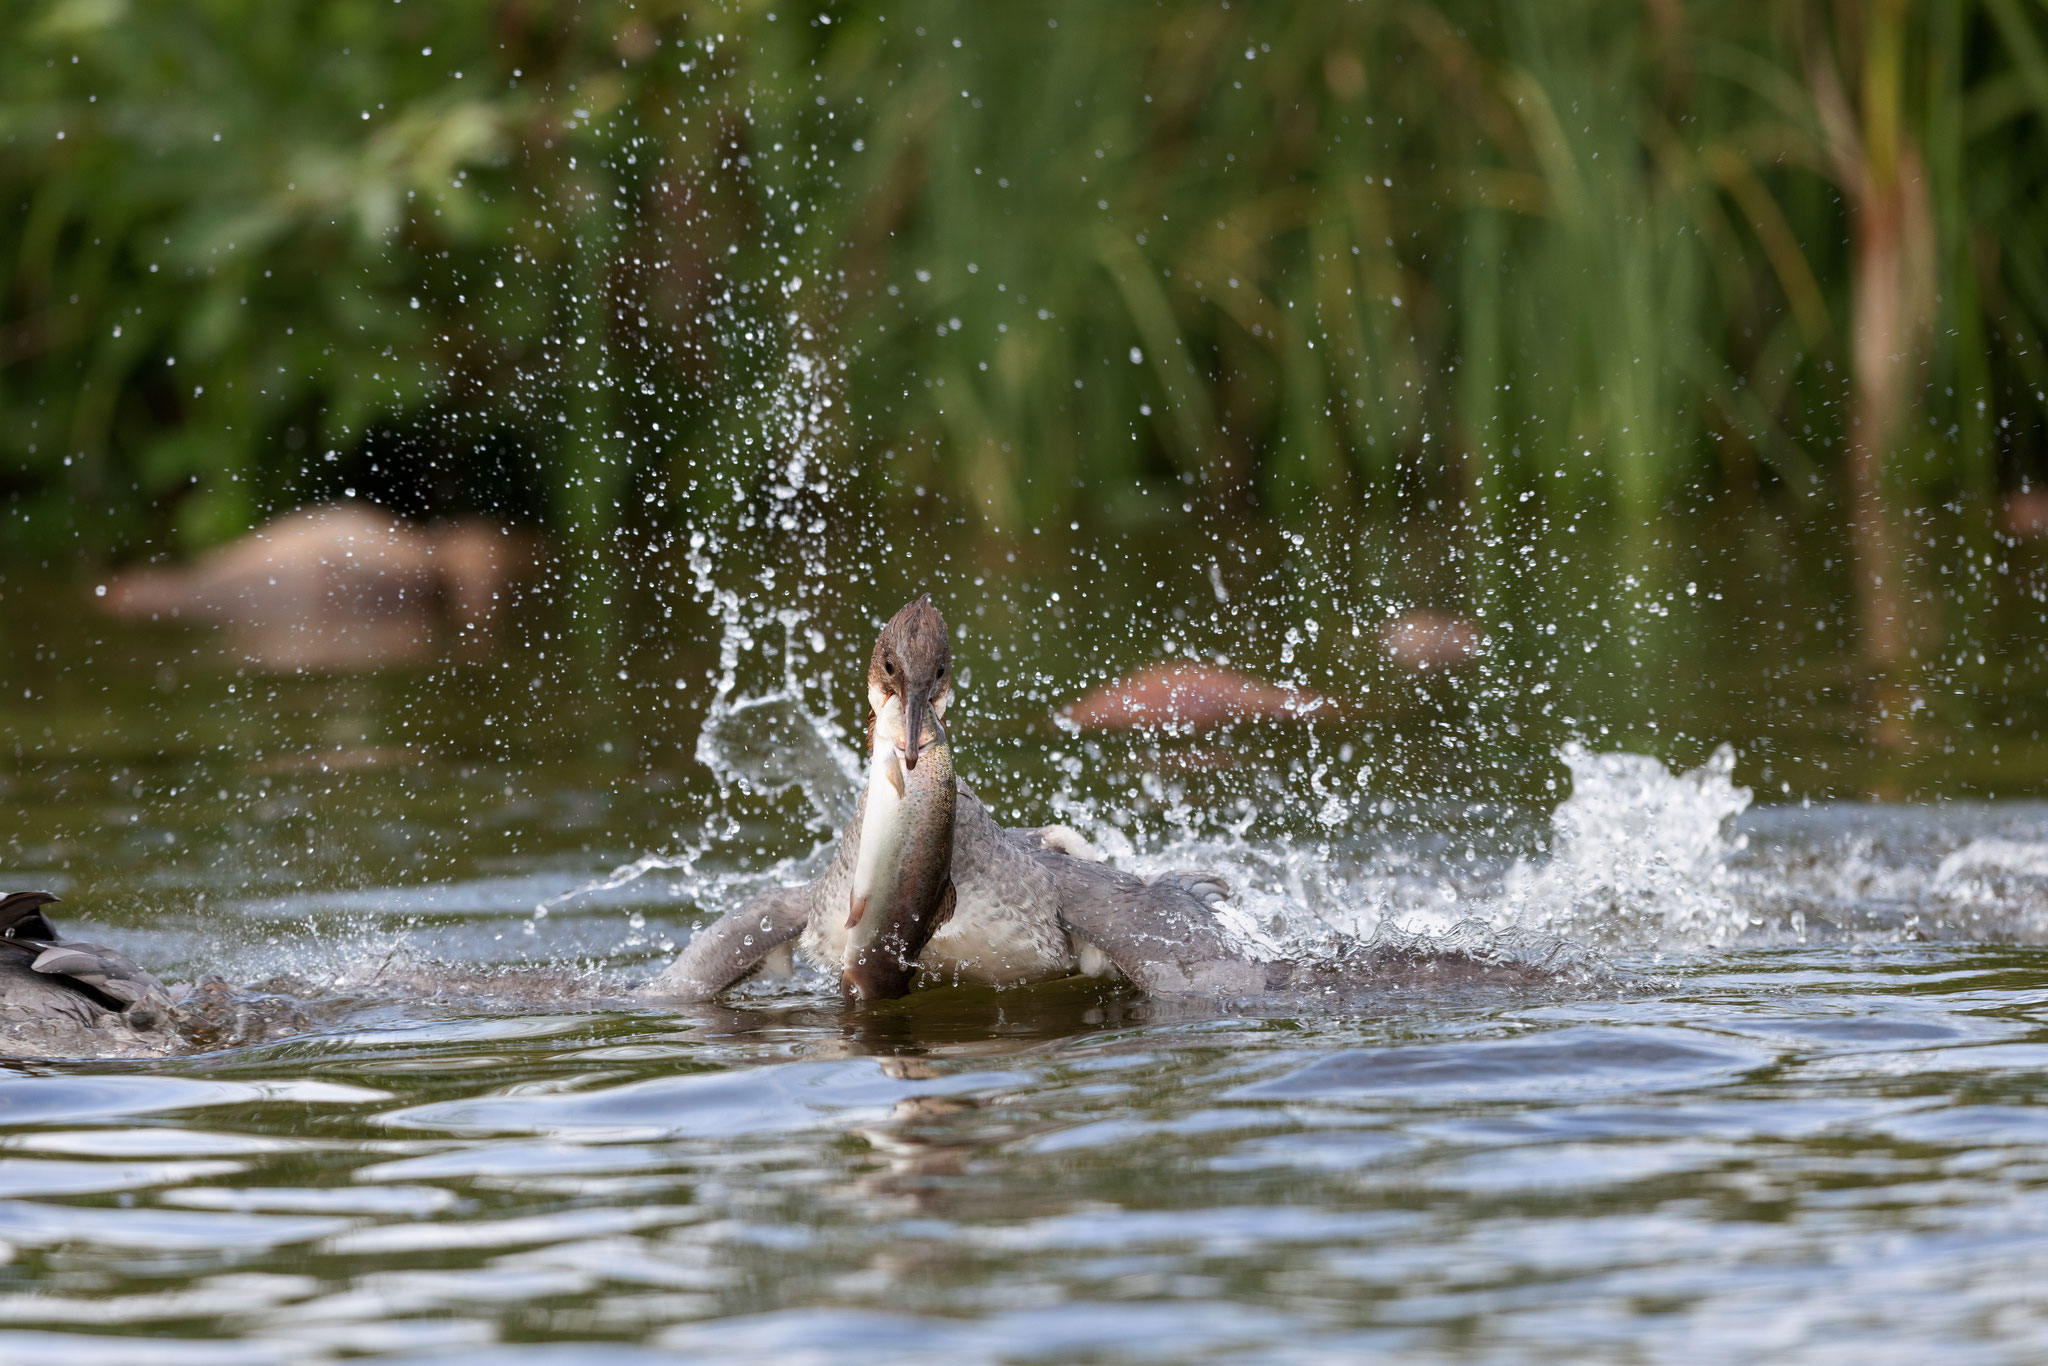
x: 1161, y: 933
x: 733, y: 947
x: 109, y: 975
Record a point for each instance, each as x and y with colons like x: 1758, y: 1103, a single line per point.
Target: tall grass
x: 1613, y: 242
x: 1085, y: 260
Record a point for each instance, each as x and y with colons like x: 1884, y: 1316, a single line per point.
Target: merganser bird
x: 927, y: 890
x: 47, y: 979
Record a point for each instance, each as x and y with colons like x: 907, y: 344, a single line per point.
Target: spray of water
x: 1634, y: 857
x: 1640, y: 855
x: 761, y: 565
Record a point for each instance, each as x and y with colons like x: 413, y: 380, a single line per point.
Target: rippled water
x: 1795, y: 1154
x: 1782, y: 1104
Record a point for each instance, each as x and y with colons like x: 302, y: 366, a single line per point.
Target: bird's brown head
x: 913, y: 661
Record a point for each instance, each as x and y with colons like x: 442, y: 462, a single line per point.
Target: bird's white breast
x: 1005, y: 929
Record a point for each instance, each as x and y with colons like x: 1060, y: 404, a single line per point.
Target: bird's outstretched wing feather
x: 1161, y: 933
x: 733, y: 947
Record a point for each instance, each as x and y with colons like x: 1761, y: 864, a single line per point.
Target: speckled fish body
x: 903, y: 874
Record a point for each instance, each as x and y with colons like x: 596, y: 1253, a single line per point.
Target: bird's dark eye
x: 888, y: 668
x: 942, y: 671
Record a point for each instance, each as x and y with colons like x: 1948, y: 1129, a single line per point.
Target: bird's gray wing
x: 107, y: 975
x: 29, y: 998
x: 1161, y: 932
x: 732, y: 948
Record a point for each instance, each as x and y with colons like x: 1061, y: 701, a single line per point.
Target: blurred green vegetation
x: 1064, y: 259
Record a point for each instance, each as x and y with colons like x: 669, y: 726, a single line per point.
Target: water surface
x: 1783, y: 1106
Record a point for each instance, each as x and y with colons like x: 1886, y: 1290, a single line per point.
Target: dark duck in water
x: 927, y: 890
x: 48, y: 981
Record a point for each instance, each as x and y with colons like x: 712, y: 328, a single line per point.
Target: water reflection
x: 760, y: 1182
x: 1788, y: 1111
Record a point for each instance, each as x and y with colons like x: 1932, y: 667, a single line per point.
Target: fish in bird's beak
x: 902, y: 888
x: 912, y: 662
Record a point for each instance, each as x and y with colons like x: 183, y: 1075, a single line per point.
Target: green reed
x: 1083, y: 260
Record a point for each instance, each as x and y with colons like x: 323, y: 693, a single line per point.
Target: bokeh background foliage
x: 1077, y: 260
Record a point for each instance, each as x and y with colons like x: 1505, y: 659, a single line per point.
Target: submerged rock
x: 1193, y: 696
x: 2024, y: 513
x: 338, y: 586
x: 1424, y: 641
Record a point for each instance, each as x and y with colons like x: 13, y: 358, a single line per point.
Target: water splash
x: 770, y: 744
x: 1963, y: 870
x: 1640, y: 855
x: 762, y: 566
